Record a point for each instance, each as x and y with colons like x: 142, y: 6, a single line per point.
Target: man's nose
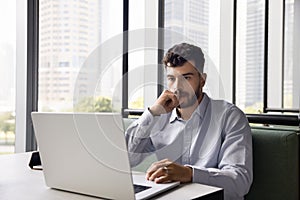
x: 177, y: 84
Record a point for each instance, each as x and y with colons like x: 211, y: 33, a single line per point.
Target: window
x: 250, y: 47
x: 266, y: 73
x: 72, y: 39
x: 7, y: 76
x: 291, y: 88
x: 142, y: 53
x: 250, y: 58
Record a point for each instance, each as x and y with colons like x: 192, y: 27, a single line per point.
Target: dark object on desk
x: 35, y: 161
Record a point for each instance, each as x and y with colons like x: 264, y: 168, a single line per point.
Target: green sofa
x: 275, y: 163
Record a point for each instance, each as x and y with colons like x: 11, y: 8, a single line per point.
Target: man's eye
x: 171, y: 79
x: 187, y: 77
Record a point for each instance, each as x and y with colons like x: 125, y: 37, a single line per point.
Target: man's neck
x: 186, y: 113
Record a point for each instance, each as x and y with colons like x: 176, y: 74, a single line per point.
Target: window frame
x: 32, y: 71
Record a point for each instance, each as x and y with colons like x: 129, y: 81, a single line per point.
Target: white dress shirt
x: 216, y: 142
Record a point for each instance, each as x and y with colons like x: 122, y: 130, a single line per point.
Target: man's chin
x: 185, y: 104
x: 182, y: 103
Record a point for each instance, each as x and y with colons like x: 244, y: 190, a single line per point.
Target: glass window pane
x: 142, y: 53
x: 291, y: 88
x: 250, y: 55
x: 79, y: 57
x: 183, y: 17
x: 7, y: 76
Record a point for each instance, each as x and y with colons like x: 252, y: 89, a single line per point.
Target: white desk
x: 18, y: 181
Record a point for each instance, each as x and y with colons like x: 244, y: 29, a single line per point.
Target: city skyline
x: 175, y: 21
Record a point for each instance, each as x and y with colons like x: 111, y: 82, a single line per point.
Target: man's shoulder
x: 228, y: 113
x: 220, y: 105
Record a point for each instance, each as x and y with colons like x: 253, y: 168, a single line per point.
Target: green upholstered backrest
x: 275, y: 163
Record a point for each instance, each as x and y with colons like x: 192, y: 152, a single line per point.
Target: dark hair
x: 181, y: 53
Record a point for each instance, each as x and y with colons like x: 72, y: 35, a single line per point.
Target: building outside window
x: 291, y: 89
x: 70, y: 34
x: 250, y: 55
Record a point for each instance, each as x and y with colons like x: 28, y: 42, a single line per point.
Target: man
x: 195, y: 138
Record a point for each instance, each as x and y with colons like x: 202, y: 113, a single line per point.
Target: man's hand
x: 165, y: 103
x: 166, y: 171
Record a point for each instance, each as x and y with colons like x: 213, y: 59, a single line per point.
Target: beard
x: 191, y: 98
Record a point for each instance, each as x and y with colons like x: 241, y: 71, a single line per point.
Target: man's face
x: 186, y: 82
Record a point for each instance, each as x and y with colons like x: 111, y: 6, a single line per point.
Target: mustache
x: 180, y: 93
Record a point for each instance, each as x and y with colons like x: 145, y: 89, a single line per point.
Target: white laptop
x: 87, y: 153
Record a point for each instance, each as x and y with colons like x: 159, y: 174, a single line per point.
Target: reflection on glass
x: 250, y: 55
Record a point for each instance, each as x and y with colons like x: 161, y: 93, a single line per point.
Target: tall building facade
x: 250, y: 54
x: 68, y: 32
x: 291, y: 90
x: 189, y: 18
x: 254, y: 53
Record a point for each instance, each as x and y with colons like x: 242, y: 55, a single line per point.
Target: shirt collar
x: 200, y: 110
x: 174, y: 116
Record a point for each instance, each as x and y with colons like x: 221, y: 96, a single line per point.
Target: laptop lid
x: 87, y: 153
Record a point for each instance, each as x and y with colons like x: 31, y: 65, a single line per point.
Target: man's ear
x: 203, y: 79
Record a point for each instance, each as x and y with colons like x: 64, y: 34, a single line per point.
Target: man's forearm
x: 138, y: 138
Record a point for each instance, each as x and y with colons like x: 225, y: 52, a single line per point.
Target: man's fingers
x: 171, y: 102
x: 162, y: 179
x: 158, y: 173
x: 165, y: 103
x: 157, y: 166
x: 165, y: 170
x: 175, y: 100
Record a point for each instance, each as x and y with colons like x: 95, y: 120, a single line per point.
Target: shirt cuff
x: 200, y: 175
